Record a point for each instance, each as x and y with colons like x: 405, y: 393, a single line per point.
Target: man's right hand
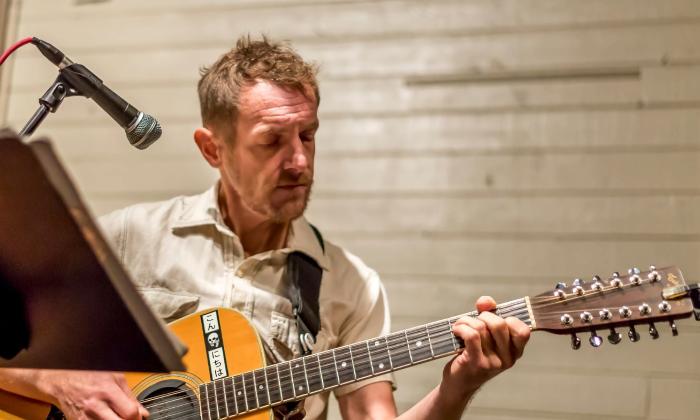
x: 91, y: 395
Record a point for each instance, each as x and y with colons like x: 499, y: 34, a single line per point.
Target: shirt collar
x: 203, y: 210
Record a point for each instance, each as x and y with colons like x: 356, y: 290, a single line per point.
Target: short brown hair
x: 250, y: 60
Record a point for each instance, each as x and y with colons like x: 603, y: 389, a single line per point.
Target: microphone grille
x: 146, y: 131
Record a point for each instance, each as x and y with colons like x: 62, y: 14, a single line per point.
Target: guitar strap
x: 303, y: 276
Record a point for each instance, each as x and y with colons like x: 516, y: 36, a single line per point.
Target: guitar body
x: 243, y: 352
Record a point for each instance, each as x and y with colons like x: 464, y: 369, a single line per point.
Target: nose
x: 298, y: 161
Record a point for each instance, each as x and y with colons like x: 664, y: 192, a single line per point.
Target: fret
x: 220, y: 398
x: 441, y: 338
x: 230, y: 394
x: 261, y: 388
x: 249, y: 391
x: 301, y: 385
x: 419, y: 344
x: 273, y: 384
x: 239, y: 389
x: 456, y: 341
x: 313, y: 373
x: 329, y: 373
x: 398, y: 350
x: 379, y: 355
x: 361, y: 360
x: 286, y: 385
x: 344, y: 365
x: 211, y: 401
x: 204, y: 402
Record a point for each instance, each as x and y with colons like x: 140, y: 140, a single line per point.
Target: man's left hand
x: 491, y: 345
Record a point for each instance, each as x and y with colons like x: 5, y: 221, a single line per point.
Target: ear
x: 208, y: 146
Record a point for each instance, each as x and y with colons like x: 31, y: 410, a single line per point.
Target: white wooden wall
x: 466, y: 148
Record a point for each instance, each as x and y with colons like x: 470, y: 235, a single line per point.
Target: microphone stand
x: 49, y: 102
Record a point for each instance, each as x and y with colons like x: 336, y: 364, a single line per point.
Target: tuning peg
x: 653, y: 332
x: 575, y: 342
x: 674, y: 329
x: 614, y: 337
x: 633, y: 334
x: 595, y: 339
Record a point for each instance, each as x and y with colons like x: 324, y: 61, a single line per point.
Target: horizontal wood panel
x: 677, y: 399
x: 446, y: 15
x: 643, y: 45
x: 544, y: 392
x: 571, y: 215
x: 416, y: 174
x: 367, y: 97
x: 512, y: 257
x: 613, y: 170
x: 671, y: 84
x: 578, y: 132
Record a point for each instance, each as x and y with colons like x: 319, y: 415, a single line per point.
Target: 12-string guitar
x: 227, y: 376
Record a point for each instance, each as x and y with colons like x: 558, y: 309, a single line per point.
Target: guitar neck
x: 299, y: 378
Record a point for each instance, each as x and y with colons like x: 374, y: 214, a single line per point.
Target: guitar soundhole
x: 170, y: 399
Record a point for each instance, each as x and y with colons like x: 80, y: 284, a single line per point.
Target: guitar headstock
x: 640, y: 297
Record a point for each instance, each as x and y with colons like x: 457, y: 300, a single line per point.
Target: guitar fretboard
x: 297, y: 379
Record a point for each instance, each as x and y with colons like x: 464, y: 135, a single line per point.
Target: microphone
x: 141, y: 129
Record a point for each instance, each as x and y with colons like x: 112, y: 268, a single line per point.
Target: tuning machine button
x: 664, y: 306
x: 566, y: 319
x: 595, y: 339
x: 633, y: 334
x: 614, y: 337
x: 575, y: 342
x: 578, y: 282
x: 625, y: 312
x: 674, y: 329
x: 586, y: 317
x: 560, y: 286
x: 653, y: 332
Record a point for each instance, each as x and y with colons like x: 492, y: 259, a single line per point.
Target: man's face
x: 269, y: 163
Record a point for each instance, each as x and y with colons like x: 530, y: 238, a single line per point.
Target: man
x: 228, y: 247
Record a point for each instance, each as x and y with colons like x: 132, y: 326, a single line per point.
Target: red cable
x: 12, y: 49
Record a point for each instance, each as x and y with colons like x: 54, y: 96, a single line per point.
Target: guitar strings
x: 168, y: 413
x: 210, y: 400
x: 504, y: 313
x: 389, y: 348
x: 399, y: 350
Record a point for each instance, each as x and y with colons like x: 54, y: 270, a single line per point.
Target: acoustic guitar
x: 227, y: 375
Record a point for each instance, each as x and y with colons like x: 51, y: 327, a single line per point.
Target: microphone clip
x: 49, y: 102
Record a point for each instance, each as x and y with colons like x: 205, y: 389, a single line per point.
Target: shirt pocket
x: 170, y: 305
x: 283, y: 334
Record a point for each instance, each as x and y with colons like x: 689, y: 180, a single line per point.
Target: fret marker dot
x: 419, y: 343
x: 301, y: 388
x: 239, y: 393
x: 297, y: 365
x: 343, y: 364
x: 381, y: 366
x: 376, y: 343
x: 260, y: 387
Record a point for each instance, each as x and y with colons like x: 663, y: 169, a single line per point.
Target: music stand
x: 69, y: 302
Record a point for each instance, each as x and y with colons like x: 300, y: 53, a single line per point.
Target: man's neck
x: 256, y: 233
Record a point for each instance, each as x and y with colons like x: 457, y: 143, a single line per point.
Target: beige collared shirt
x: 183, y: 258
